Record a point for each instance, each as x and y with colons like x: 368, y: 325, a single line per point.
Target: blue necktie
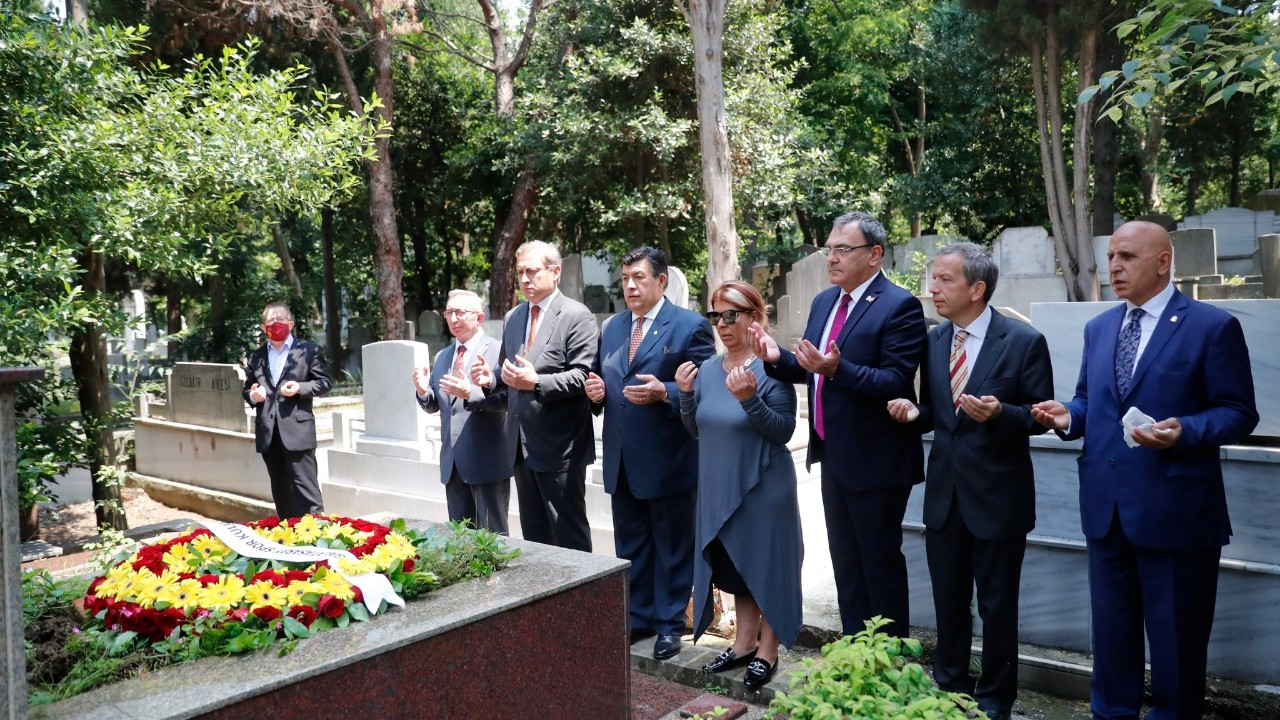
x: 1127, y: 350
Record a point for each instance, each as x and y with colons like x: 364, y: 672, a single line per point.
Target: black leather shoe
x: 759, y: 673
x: 667, y: 645
x: 728, y: 660
x: 638, y: 634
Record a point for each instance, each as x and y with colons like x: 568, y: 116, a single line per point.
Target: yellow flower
x: 265, y: 594
x: 117, y: 582
x: 334, y: 584
x: 228, y: 591
x: 209, y: 546
x: 184, y: 595
x: 359, y: 567
x: 306, y: 531
x: 177, y: 557
x: 298, y: 588
x: 148, y: 586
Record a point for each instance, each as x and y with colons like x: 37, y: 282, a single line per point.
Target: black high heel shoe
x: 728, y: 660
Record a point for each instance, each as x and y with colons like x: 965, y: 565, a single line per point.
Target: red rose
x: 267, y: 614
x: 297, y: 576
x: 239, y: 614
x: 267, y: 523
x: 186, y: 576
x: 358, y: 596
x: 409, y: 565
x: 93, y: 586
x: 303, y: 614
x: 146, y: 623
x: 362, y: 550
x: 270, y: 575
x: 207, y: 580
x: 330, y: 606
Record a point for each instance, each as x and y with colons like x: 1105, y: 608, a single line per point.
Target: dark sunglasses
x: 729, y: 316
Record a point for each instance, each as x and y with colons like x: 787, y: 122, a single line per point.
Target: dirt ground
x: 72, y: 525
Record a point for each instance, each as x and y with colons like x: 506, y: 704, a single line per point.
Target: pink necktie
x: 837, y: 325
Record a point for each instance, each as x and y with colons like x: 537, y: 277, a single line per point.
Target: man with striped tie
x: 981, y: 375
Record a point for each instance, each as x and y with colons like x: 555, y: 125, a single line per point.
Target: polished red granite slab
x: 560, y: 656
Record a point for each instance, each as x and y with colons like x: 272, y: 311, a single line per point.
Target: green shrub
x: 871, y: 676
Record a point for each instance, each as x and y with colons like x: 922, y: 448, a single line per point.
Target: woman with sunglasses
x: 748, y: 538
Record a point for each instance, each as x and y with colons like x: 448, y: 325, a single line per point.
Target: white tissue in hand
x: 1132, y: 420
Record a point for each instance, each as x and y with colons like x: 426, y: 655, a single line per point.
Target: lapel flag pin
x: 871, y: 298
x: 1173, y: 319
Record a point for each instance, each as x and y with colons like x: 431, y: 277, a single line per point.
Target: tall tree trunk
x: 1048, y: 172
x: 1087, y: 275
x: 421, y: 265
x: 332, y: 298
x: 290, y: 272
x: 78, y: 13
x: 382, y: 210
x: 706, y: 21
x: 1151, y: 141
x: 88, y: 355
x: 502, y: 286
x: 1193, y: 193
x: 1106, y: 141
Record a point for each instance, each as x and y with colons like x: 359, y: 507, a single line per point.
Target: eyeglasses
x: 455, y: 314
x: 729, y: 316
x: 841, y: 250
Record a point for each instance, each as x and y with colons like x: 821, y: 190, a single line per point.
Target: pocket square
x: 666, y: 350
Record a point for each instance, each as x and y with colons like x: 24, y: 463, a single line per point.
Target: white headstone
x: 677, y: 287
x: 807, y: 277
x: 1025, y: 252
x: 394, y: 425
x: 1237, y: 232
x: 571, y: 276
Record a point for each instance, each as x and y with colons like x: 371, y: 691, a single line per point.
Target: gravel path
x: 74, y: 524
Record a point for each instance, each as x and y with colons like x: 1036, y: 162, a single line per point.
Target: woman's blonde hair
x: 743, y: 296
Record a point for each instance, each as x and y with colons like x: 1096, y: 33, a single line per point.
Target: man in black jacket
x: 981, y: 375
x: 282, y: 378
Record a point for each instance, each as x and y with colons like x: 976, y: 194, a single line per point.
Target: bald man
x: 1154, y: 515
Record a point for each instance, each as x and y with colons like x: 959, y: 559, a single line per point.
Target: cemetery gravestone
x: 394, y: 424
x: 677, y: 287
x: 208, y: 395
x: 1269, y: 259
x: 571, y: 283
x: 1028, y: 269
x: 1195, y: 252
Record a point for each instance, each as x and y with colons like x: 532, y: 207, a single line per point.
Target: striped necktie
x: 959, y: 368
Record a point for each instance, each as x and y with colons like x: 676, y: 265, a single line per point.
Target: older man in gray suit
x: 473, y: 444
x: 548, y: 347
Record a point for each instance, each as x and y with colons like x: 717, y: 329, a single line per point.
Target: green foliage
x: 460, y: 553
x: 869, y: 675
x: 1209, y: 46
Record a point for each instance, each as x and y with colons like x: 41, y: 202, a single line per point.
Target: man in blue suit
x: 862, y: 346
x: 650, y: 461
x: 473, y: 441
x: 1153, y: 509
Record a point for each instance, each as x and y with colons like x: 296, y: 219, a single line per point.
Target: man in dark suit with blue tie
x: 474, y: 464
x: 281, y: 380
x: 981, y: 375
x: 548, y: 347
x: 1152, y: 502
x: 863, y: 343
x: 650, y: 461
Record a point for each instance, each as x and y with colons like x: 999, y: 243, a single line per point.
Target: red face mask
x: 278, y: 331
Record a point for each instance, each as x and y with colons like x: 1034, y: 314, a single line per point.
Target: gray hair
x: 872, y: 231
x: 468, y: 298
x: 979, y: 265
x: 545, y: 251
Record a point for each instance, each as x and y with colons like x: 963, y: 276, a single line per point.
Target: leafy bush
x: 873, y: 676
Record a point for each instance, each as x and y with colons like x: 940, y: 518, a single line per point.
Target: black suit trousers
x: 553, y: 506
x: 958, y: 560
x: 484, y: 504
x: 864, y: 534
x: 294, y: 484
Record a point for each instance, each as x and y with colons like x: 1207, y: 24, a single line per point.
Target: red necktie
x: 637, y: 336
x: 837, y: 325
x: 458, y: 356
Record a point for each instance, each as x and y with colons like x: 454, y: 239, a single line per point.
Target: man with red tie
x: 1152, y: 503
x: 474, y: 464
x: 862, y: 346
